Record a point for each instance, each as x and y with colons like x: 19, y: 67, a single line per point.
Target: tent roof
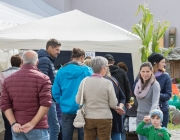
x: 73, y: 27
x: 14, y: 12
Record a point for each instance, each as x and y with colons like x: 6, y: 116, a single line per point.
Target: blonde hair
x: 87, y: 62
x: 108, y: 74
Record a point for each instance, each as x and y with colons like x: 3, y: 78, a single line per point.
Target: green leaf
x: 149, y: 32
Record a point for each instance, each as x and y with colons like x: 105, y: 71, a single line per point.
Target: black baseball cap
x: 109, y: 57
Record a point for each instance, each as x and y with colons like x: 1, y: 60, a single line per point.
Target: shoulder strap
x: 118, y: 87
x: 117, y: 84
x: 81, y: 102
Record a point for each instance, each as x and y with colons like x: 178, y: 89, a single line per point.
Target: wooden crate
x: 173, y: 68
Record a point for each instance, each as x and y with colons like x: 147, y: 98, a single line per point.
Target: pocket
x: 15, y: 134
x: 34, y: 134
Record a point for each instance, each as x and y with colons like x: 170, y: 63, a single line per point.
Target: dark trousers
x: 60, y: 134
x: 7, y: 134
x: 165, y: 119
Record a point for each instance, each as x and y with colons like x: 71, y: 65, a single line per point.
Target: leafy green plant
x: 149, y: 33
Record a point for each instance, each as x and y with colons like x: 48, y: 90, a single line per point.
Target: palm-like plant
x: 149, y: 34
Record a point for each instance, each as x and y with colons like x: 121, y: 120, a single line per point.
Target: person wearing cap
x: 123, y: 80
x: 154, y: 132
x: 158, y: 63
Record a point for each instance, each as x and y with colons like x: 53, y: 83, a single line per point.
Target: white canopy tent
x: 73, y: 29
x: 17, y: 12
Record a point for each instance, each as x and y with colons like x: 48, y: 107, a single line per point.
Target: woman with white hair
x: 99, y: 96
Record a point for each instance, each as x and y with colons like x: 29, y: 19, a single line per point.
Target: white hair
x: 30, y: 57
x: 98, y: 63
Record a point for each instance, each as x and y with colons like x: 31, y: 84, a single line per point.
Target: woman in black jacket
x: 117, y: 125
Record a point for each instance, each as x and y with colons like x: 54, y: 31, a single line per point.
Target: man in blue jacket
x: 46, y: 65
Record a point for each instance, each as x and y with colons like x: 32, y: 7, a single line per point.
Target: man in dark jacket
x: 122, y: 78
x: 46, y: 65
x: 25, y: 101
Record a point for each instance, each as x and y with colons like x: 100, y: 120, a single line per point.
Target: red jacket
x: 25, y: 91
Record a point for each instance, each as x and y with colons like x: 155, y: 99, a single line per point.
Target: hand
x: 128, y: 105
x: 146, y: 119
x: 120, y: 111
x: 27, y: 127
x: 16, y: 128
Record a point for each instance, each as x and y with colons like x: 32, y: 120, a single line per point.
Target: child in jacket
x: 154, y: 132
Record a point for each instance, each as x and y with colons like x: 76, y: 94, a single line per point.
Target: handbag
x: 79, y: 120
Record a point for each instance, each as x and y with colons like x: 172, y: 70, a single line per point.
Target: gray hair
x: 98, y: 63
x: 30, y: 57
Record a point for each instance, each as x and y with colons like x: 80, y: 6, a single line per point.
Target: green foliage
x: 149, y: 33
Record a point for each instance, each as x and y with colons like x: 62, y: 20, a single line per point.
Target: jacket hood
x: 44, y: 53
x: 72, y: 70
x: 113, y: 69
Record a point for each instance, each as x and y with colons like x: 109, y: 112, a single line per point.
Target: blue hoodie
x: 66, y: 85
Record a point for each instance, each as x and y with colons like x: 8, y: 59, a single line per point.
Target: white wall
x: 121, y: 12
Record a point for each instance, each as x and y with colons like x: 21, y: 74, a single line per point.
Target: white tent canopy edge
x: 73, y: 29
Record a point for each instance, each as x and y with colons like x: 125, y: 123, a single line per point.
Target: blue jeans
x: 7, y: 134
x: 68, y: 128
x: 116, y: 136
x: 34, y: 134
x: 123, y: 134
x: 142, y: 137
x: 165, y: 119
x: 53, y: 123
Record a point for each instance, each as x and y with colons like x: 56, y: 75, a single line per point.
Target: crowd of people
x: 39, y: 104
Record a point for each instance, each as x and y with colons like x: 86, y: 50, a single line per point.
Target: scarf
x: 139, y: 93
x: 158, y: 73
